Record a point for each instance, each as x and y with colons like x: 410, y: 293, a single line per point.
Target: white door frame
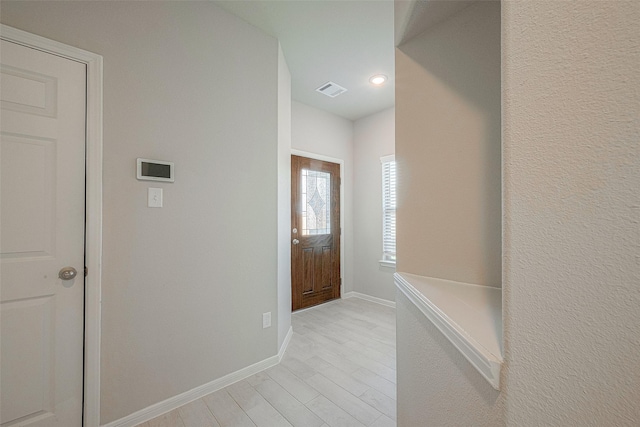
x: 93, y: 200
x: 322, y: 157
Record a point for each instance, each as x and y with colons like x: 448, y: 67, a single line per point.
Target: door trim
x: 93, y: 201
x: 324, y: 158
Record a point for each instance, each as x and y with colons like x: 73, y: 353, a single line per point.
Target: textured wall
x: 571, y: 82
x: 448, y: 153
x: 437, y: 386
x: 571, y: 160
x: 448, y: 149
x: 373, y: 137
x: 184, y: 287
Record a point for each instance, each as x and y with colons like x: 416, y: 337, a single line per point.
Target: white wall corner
x: 474, y: 348
x: 175, y: 402
x: 285, y: 344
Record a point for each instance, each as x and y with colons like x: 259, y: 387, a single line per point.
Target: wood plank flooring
x: 338, y: 371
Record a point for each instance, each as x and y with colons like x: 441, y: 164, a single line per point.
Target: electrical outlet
x: 266, y: 320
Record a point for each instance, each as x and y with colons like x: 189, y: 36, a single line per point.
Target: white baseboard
x: 369, y: 298
x: 172, y: 403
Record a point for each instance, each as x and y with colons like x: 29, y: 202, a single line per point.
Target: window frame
x: 389, y: 200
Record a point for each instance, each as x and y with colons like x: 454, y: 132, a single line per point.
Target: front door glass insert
x: 316, y: 202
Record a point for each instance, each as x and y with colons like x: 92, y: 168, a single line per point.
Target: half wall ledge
x: 470, y: 316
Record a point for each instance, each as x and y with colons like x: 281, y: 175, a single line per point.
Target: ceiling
x: 413, y: 17
x: 342, y: 41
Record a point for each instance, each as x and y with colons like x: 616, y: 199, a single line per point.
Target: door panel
x: 307, y: 274
x: 42, y: 168
x: 33, y: 317
x: 315, y: 219
x: 326, y: 269
x: 30, y: 162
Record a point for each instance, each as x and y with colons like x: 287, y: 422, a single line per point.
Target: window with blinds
x: 388, y: 208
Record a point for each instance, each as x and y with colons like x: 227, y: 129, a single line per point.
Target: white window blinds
x: 388, y: 208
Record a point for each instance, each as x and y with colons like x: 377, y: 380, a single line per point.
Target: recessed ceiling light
x: 378, y: 79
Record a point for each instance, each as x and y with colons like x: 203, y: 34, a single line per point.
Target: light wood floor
x: 338, y: 371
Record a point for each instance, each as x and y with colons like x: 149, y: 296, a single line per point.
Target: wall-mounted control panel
x: 155, y: 170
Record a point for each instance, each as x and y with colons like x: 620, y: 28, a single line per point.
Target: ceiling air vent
x: 331, y: 89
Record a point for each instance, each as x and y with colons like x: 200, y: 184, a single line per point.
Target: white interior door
x: 42, y: 173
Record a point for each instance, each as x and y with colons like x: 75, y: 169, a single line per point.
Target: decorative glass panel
x: 316, y: 202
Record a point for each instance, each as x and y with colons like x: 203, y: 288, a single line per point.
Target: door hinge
x: 86, y: 271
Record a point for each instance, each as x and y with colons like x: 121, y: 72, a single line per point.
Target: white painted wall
x: 184, y: 287
x: 435, y: 381
x: 571, y: 100
x: 317, y: 131
x: 448, y: 149
x: 284, y: 198
x: 571, y: 207
x: 373, y: 137
x: 448, y: 157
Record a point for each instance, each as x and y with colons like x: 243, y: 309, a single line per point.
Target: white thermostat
x: 155, y: 170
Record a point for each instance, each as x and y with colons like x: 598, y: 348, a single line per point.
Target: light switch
x: 154, y: 197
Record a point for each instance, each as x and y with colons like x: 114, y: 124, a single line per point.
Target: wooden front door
x: 315, y: 237
x: 42, y: 201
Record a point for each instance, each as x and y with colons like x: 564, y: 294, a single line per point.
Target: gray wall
x: 284, y: 198
x: 360, y: 144
x: 435, y: 381
x: 448, y: 149
x: 184, y: 287
x: 373, y: 137
x: 448, y: 155
x: 572, y: 207
x: 320, y: 132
